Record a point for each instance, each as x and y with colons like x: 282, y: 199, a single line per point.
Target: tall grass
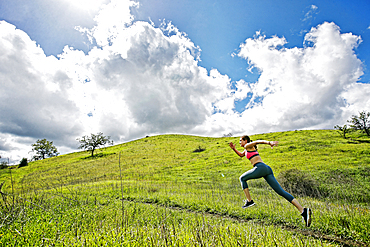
x: 74, y: 219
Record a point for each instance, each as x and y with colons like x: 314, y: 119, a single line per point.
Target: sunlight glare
x: 88, y: 5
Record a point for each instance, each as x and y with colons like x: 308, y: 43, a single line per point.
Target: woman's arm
x: 241, y: 154
x: 254, y: 143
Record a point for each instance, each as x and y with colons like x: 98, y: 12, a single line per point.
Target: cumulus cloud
x: 309, y: 87
x: 33, y: 98
x: 150, y: 75
x: 141, y: 80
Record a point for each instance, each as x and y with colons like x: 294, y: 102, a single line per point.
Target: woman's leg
x: 297, y: 205
x: 271, y: 180
x: 247, y: 195
x: 305, y: 212
x: 254, y: 173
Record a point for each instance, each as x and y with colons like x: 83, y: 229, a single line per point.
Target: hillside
x: 323, y: 170
x: 323, y: 155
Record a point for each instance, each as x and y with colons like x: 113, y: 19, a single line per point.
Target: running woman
x: 260, y: 170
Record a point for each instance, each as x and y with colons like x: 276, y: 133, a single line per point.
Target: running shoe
x: 248, y: 204
x: 307, y: 212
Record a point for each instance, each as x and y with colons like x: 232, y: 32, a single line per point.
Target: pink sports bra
x: 251, y: 154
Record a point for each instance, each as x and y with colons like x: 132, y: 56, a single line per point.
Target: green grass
x: 75, y: 223
x: 183, y: 191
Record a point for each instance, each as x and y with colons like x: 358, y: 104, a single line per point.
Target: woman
x: 260, y: 170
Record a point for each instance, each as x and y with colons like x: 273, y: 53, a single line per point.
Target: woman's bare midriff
x: 256, y: 160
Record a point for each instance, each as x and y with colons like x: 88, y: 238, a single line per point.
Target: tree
x: 228, y: 135
x: 361, y: 122
x: 343, y: 130
x: 23, y: 163
x: 93, y: 142
x: 44, y: 149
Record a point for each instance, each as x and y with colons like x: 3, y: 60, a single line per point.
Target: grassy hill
x: 175, y: 190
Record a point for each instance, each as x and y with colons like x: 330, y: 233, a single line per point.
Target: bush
x: 299, y: 183
x: 23, y: 163
x: 3, y: 165
x: 199, y: 149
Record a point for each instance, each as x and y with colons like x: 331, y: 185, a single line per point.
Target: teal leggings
x: 262, y: 170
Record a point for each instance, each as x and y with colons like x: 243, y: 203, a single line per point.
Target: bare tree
x: 93, y: 142
x: 343, y: 130
x: 361, y: 122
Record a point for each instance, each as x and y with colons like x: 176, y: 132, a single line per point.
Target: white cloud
x: 112, y: 19
x: 140, y: 80
x: 33, y: 99
x: 308, y: 87
x: 154, y: 79
x: 313, y: 10
x: 313, y: 87
x: 85, y: 5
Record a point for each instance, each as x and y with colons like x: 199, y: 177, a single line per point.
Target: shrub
x: 299, y: 183
x: 3, y: 165
x: 23, y: 163
x: 199, y: 149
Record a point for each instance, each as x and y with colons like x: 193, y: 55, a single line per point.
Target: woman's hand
x: 232, y: 145
x: 273, y: 143
x: 241, y: 154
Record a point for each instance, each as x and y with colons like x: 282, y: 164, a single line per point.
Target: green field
x: 159, y: 191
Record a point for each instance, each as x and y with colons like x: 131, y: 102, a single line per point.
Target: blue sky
x: 226, y: 66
